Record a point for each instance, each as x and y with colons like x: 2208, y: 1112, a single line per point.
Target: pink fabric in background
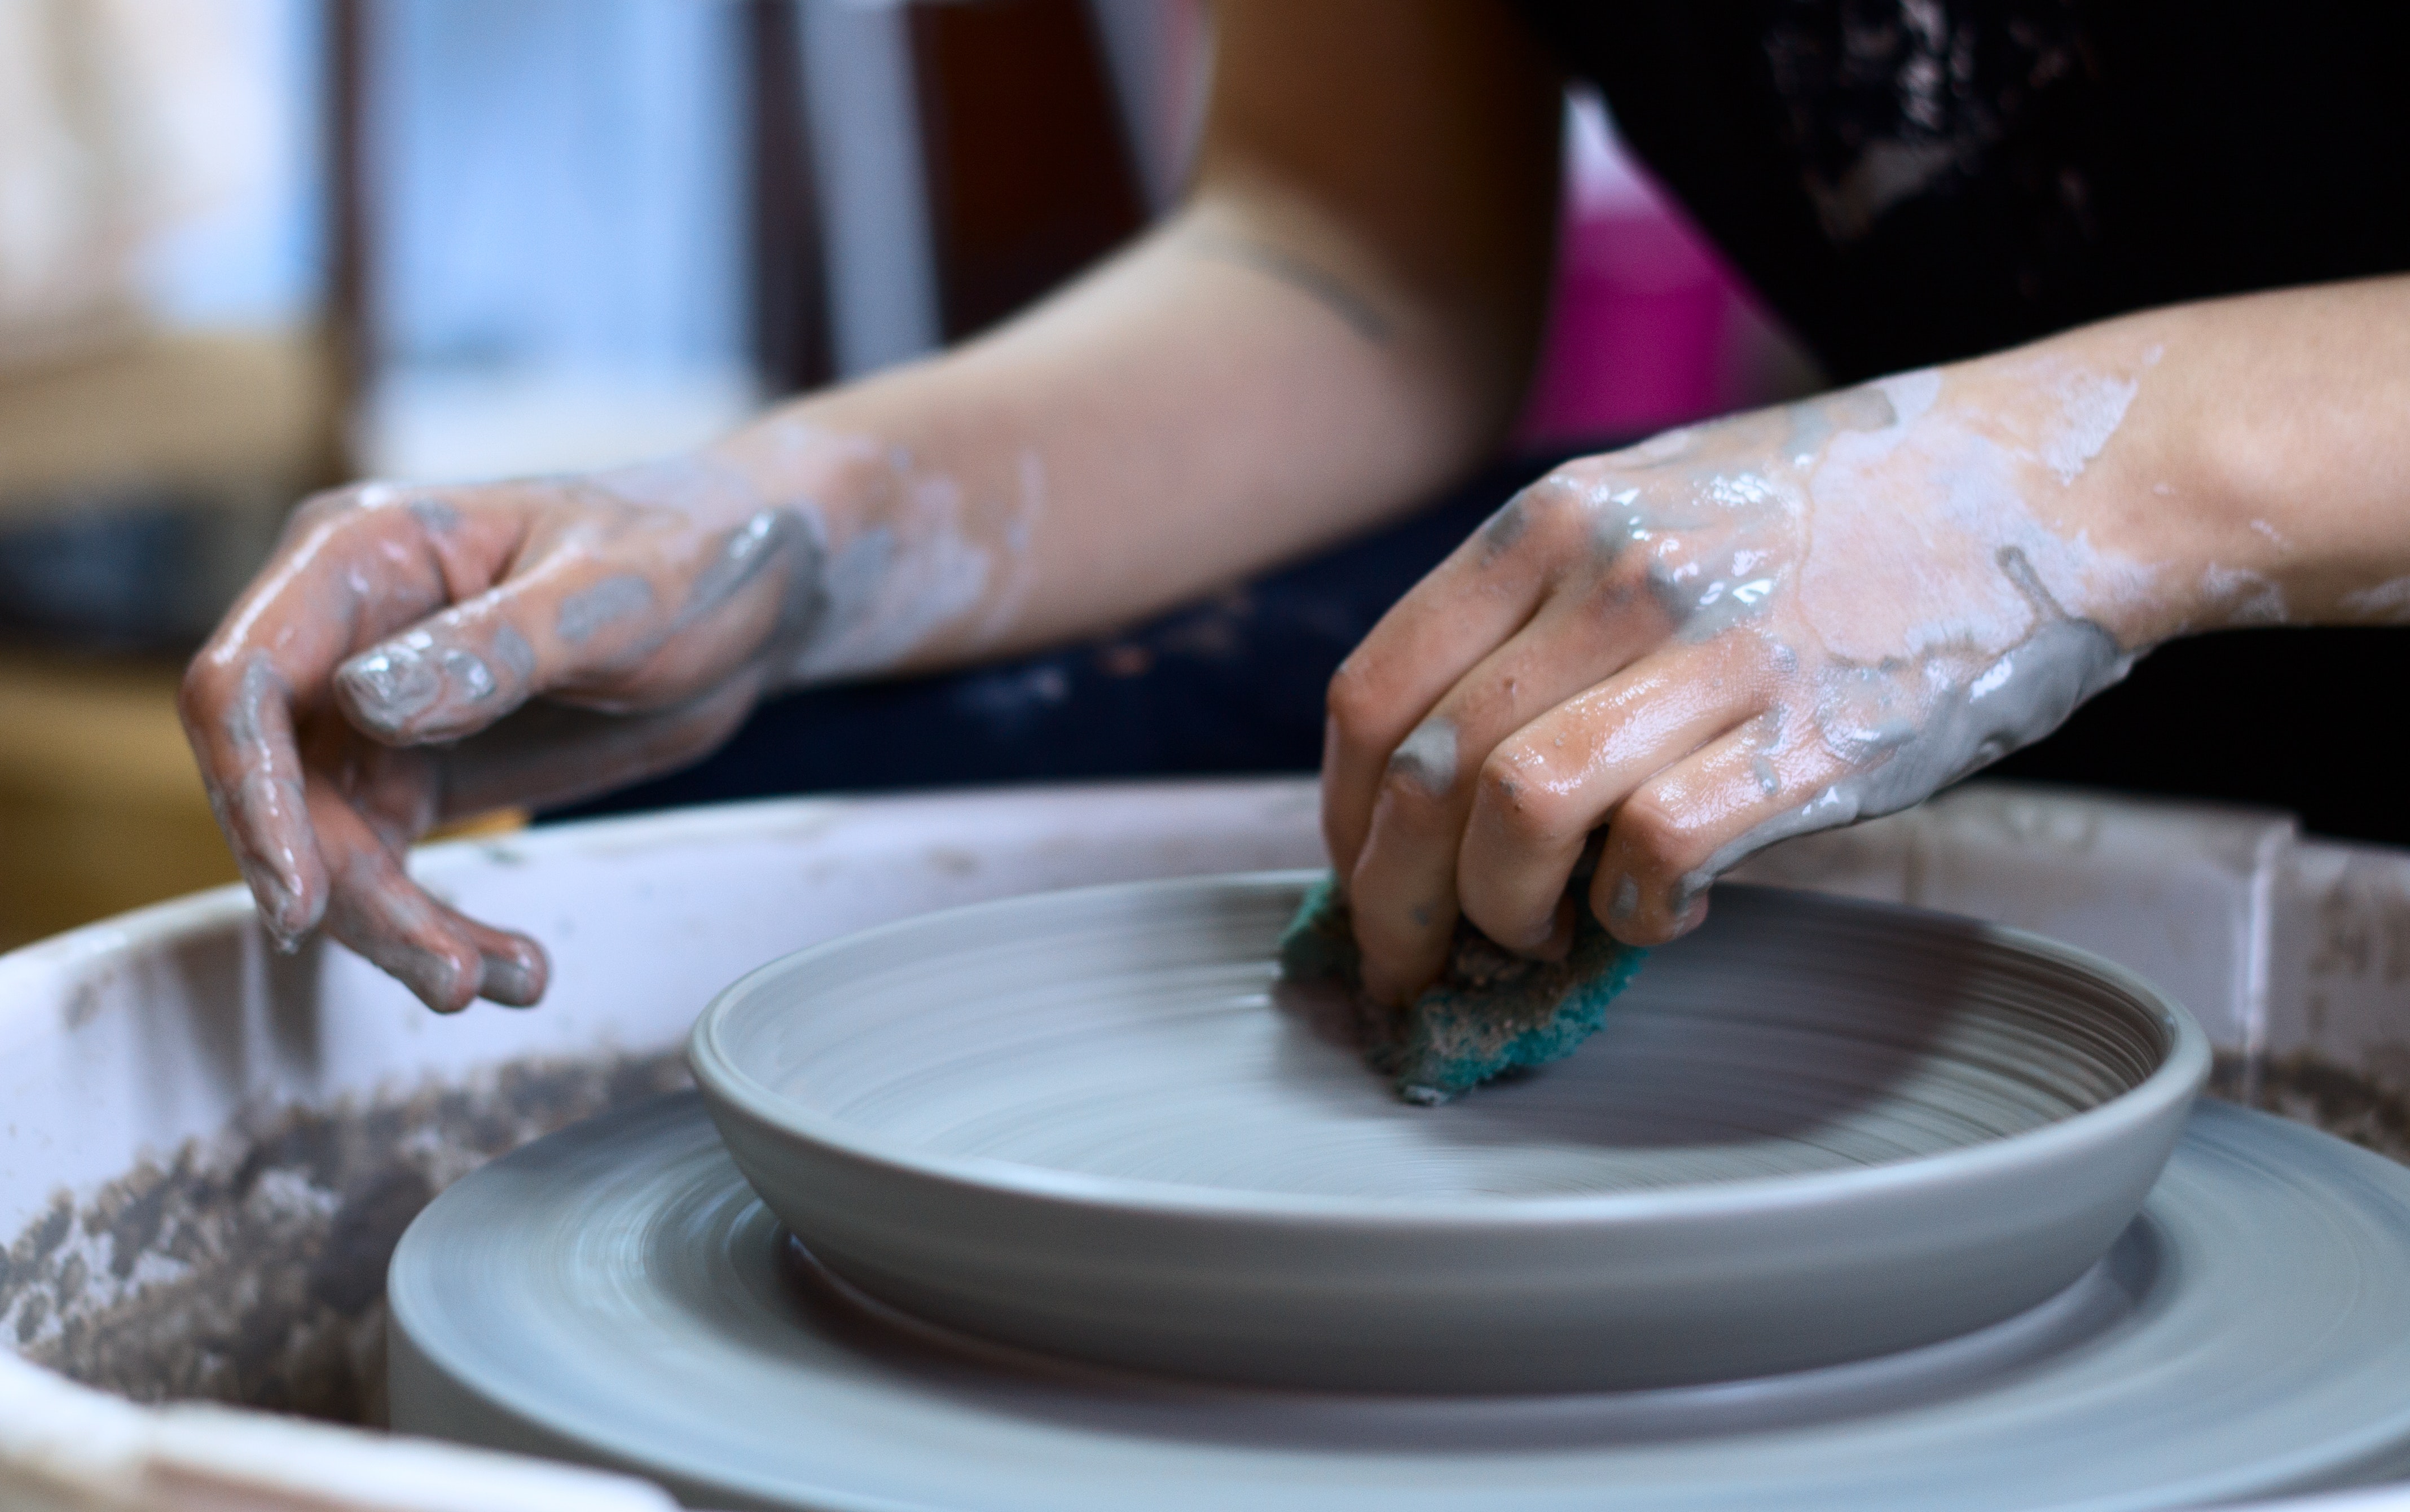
x: 1643, y: 311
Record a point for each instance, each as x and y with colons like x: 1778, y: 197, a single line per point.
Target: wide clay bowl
x: 1093, y: 1124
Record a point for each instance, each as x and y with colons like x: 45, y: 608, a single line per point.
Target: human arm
x: 1799, y: 618
x: 1337, y: 320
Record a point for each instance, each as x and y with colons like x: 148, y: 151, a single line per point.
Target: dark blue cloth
x: 1229, y: 686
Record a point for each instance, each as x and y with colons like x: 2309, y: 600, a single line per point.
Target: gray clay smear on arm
x: 1491, y: 1012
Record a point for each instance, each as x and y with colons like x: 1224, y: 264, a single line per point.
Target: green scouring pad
x: 1489, y: 1012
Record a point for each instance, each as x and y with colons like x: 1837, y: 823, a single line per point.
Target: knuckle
x: 1655, y: 835
x: 1525, y: 809
x: 198, y: 690
x: 1406, y: 798
x: 1581, y: 476
x: 206, y: 689
x: 1559, y: 521
x: 1557, y: 508
x: 331, y: 504
x: 1353, y: 704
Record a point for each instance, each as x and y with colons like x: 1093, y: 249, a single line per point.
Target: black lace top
x: 1914, y: 181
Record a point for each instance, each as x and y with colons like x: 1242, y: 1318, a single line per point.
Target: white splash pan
x: 123, y: 1041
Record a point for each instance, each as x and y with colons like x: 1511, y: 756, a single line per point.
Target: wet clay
x: 250, y: 1267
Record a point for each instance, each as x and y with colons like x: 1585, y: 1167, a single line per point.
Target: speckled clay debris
x: 1491, y: 1012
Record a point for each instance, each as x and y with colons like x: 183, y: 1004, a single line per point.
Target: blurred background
x: 254, y: 248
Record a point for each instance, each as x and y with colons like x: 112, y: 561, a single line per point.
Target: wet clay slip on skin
x: 1091, y: 1124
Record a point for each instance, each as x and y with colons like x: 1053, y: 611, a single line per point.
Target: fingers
x: 350, y: 565
x: 368, y: 802
x: 626, y: 604
x: 1402, y: 893
x: 621, y: 621
x: 1549, y: 784
x: 447, y: 959
x: 1468, y: 607
x: 237, y: 717
x: 1688, y: 824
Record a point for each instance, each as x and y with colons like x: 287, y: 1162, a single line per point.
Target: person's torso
x: 1916, y: 180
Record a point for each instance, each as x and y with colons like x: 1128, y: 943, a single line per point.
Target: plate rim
x: 728, y: 1089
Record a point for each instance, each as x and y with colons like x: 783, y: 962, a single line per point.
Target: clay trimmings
x: 1490, y: 1011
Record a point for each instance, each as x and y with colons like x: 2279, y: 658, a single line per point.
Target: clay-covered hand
x: 412, y: 654
x: 1732, y: 634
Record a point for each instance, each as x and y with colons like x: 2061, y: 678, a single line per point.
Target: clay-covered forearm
x: 2258, y: 469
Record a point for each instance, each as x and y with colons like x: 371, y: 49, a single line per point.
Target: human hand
x: 357, y: 694
x: 1730, y: 634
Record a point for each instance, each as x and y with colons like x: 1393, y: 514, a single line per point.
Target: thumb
x: 579, y: 620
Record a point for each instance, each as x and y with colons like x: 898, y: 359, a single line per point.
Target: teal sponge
x: 1489, y: 1012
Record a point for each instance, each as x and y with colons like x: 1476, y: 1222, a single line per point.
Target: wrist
x: 902, y: 564
x: 2124, y: 461
x: 2197, y: 483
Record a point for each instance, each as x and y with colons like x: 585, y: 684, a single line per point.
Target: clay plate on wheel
x: 1092, y: 1123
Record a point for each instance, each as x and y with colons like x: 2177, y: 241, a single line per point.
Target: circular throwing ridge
x: 615, y: 1294
x: 1092, y: 1122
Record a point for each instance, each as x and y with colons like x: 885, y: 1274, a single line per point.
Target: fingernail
x: 1625, y: 900
x: 278, y: 908
x: 512, y: 983
x: 1547, y: 943
x: 390, y: 685
x: 398, y: 687
x: 436, y: 979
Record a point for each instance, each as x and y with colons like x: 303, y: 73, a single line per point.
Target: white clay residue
x: 2092, y: 406
x: 1426, y: 757
x: 2244, y: 597
x: 1019, y: 532
x: 2387, y: 604
x: 894, y: 585
x: 1916, y: 617
x: 909, y: 555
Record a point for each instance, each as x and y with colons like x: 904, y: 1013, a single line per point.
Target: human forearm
x: 2250, y: 453
x: 1218, y: 400
x: 1341, y: 317
x: 1343, y: 314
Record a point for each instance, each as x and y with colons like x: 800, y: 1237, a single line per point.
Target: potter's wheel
x: 617, y: 1294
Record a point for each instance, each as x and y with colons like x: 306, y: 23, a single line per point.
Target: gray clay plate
x: 617, y: 1294
x: 1092, y: 1122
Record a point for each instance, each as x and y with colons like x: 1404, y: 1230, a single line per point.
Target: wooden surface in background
x: 101, y: 809
x: 194, y: 413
